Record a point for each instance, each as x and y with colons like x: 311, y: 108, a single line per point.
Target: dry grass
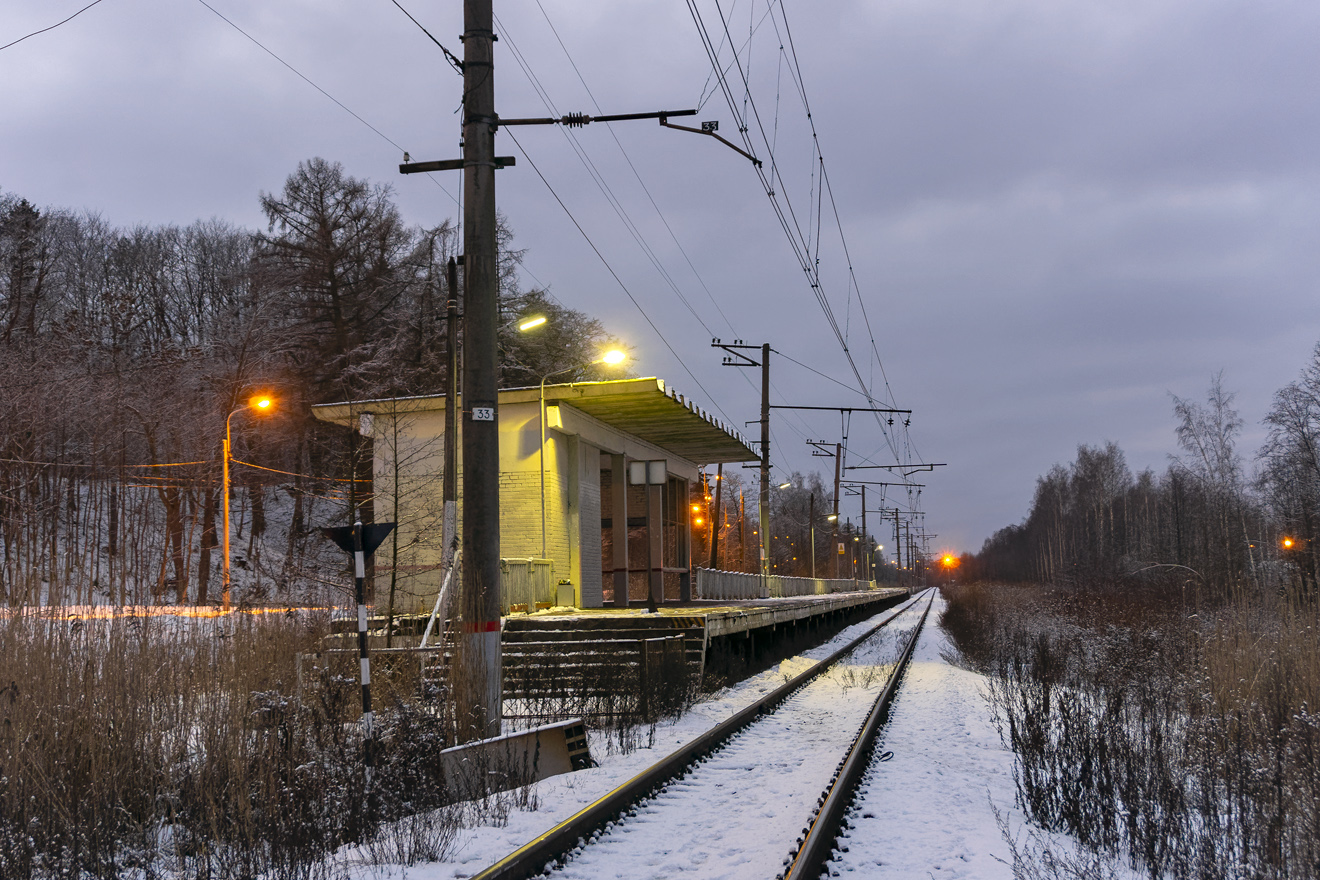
x: 1183, y: 738
x: 173, y: 748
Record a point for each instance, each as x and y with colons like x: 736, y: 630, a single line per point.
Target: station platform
x: 535, y: 645
x: 699, y: 625
x: 717, y: 618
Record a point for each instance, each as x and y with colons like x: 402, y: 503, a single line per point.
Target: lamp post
x: 611, y: 358
x: 259, y: 403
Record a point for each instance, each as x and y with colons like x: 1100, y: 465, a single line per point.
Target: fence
x: 712, y: 584
x: 642, y: 678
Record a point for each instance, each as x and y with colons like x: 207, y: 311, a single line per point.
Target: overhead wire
x: 607, y: 191
x: 798, y: 79
x: 636, y: 174
x: 453, y: 59
x: 598, y: 178
x: 615, y: 275
x: 51, y: 27
x: 645, y: 189
x: 775, y: 187
x: 799, y: 242
x: 307, y: 80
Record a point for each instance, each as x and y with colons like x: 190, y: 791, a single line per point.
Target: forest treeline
x: 1212, y: 521
x: 125, y: 349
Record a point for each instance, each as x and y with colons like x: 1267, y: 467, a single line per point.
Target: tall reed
x: 1183, y: 738
x: 154, y: 745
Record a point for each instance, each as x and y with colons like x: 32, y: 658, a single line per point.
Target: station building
x: 595, y: 481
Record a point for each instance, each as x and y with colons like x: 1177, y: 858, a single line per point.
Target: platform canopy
x: 645, y: 409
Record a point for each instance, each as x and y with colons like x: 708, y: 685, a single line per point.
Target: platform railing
x: 729, y: 585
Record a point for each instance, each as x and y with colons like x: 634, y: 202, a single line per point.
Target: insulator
x: 576, y: 120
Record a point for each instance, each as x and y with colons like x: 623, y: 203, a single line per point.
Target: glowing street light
x: 529, y: 323
x: 611, y: 358
x: 259, y: 403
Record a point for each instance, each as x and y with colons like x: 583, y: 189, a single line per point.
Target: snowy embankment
x: 930, y: 810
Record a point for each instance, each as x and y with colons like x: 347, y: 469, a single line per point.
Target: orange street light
x: 259, y: 403
x: 949, y: 561
x: 1287, y: 543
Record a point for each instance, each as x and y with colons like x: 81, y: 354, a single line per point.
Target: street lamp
x: 260, y: 403
x: 611, y: 358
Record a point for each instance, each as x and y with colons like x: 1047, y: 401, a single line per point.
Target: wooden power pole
x: 480, y: 698
x: 480, y: 592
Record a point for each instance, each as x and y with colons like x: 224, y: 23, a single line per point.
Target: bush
x: 1183, y: 739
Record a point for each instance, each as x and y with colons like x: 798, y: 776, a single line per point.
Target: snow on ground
x: 561, y: 796
x: 739, y: 813
x: 929, y: 811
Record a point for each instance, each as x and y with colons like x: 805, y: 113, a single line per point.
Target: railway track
x: 763, y: 793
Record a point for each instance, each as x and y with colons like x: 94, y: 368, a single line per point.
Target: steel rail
x: 817, y: 845
x: 532, y: 858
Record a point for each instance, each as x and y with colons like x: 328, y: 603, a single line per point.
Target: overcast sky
x: 1058, y: 214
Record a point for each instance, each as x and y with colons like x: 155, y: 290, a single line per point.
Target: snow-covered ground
x: 929, y: 811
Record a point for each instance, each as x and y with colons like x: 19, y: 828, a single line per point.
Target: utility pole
x: 480, y: 650
x: 715, y: 520
x: 481, y: 703
x: 765, y: 459
x: 866, y: 538
x: 898, y: 544
x: 834, y: 537
x: 742, y: 533
x: 737, y: 359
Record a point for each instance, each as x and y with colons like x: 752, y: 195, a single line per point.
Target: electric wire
x: 775, y: 186
x: 801, y: 244
x: 585, y: 158
x: 453, y: 60
x: 307, y: 80
x: 798, y: 79
x: 618, y: 280
x: 636, y: 174
x: 598, y: 178
x: 51, y: 27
